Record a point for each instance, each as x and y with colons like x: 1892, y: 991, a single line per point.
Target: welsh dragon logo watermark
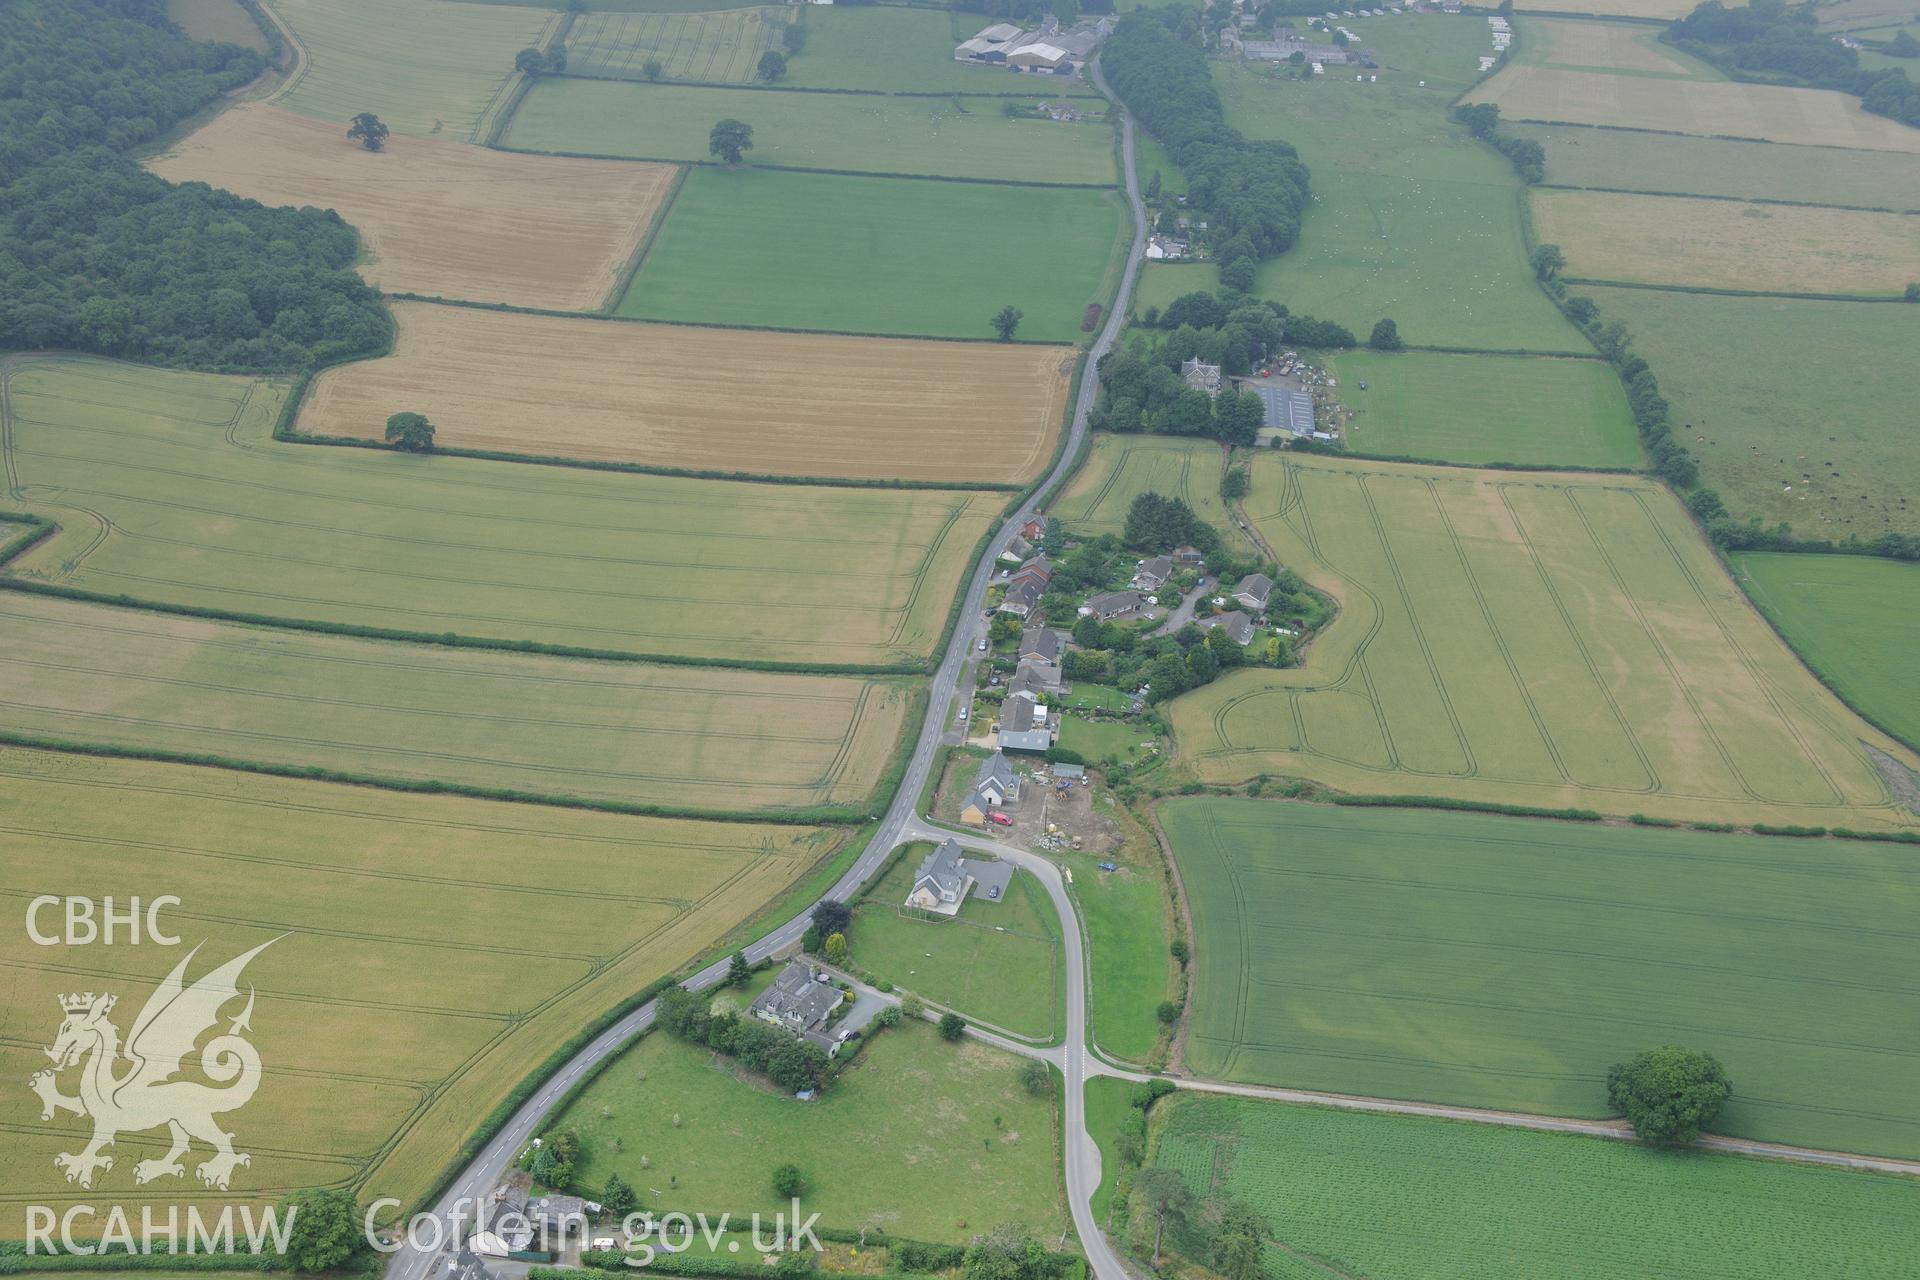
x: 143, y: 1082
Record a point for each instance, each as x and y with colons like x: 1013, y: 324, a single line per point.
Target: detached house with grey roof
x: 800, y: 1003
x: 946, y: 877
x: 1254, y: 591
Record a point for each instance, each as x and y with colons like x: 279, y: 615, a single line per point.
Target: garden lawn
x: 849, y: 132
x: 875, y: 255
x: 1410, y: 1198
x: 902, y: 50
x: 997, y: 962
x: 1098, y: 739
x: 1809, y: 423
x: 1508, y: 962
x: 1534, y: 410
x: 1856, y: 621
x: 1411, y: 218
x: 906, y: 1140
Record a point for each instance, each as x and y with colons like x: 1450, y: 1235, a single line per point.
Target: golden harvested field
x: 1726, y: 244
x: 1550, y: 640
x: 439, y: 217
x: 628, y: 733
x: 435, y: 950
x: 708, y: 399
x: 1615, y: 8
x: 1812, y: 117
x: 1603, y: 45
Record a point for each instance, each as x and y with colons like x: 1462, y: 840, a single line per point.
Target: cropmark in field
x: 1547, y: 640
x: 708, y: 47
x: 1508, y: 962
x: 707, y: 399
x: 431, y: 951
x: 440, y: 218
x: 169, y: 490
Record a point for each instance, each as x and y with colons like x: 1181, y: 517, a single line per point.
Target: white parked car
x: 963, y: 713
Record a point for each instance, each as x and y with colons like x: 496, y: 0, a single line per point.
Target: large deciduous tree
x: 1669, y: 1093
x: 368, y: 130
x: 410, y: 432
x: 730, y: 140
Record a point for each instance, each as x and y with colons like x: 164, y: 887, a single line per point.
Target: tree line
x: 1774, y: 39
x: 98, y: 255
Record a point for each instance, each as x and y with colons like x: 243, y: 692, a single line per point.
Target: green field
x: 1852, y: 618
x: 431, y: 950
x: 1528, y: 638
x: 898, y: 50
x: 1809, y: 424
x: 875, y: 255
x: 996, y: 962
x: 1150, y: 158
x: 1161, y: 282
x: 708, y: 47
x: 849, y: 132
x: 424, y: 66
x: 1128, y: 914
x: 1098, y: 739
x: 1120, y: 468
x: 1507, y: 962
x: 1408, y: 1198
x: 1534, y: 410
x: 621, y: 732
x: 1411, y: 219
x: 168, y: 489
x: 1626, y: 160
x: 919, y: 1137
x: 1108, y: 1104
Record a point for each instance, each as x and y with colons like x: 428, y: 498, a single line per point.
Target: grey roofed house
x: 559, y: 1213
x: 941, y: 880
x: 1112, y: 604
x: 1254, y: 590
x: 1017, y: 549
x: 1201, y: 376
x: 796, y: 1001
x: 1043, y: 675
x: 1039, y: 644
x: 1151, y: 575
x: 997, y: 771
x: 1237, y: 625
x: 1022, y: 598
x: 1024, y: 727
x: 1026, y: 684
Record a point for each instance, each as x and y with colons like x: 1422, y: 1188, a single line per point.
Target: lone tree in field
x: 1385, y: 337
x: 952, y: 1026
x: 1669, y: 1093
x: 1547, y: 260
x: 619, y: 1199
x: 1006, y: 320
x: 367, y: 130
x: 1166, y: 1195
x: 410, y: 432
x: 788, y: 1182
x: 652, y: 68
x: 1913, y: 290
x: 730, y: 140
x: 773, y: 65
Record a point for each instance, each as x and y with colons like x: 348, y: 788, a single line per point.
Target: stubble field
x: 1605, y: 46
x: 1724, y: 244
x: 1508, y: 962
x: 1770, y: 113
x: 440, y: 218
x: 707, y: 399
x: 878, y: 255
x: 435, y: 949
x: 1548, y: 640
x: 711, y: 47
x: 425, y: 67
x: 170, y: 490
x: 620, y: 732
x: 1408, y: 1198
x: 847, y: 132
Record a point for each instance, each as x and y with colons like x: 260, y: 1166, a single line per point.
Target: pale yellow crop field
x: 1536, y: 639
x: 1604, y: 45
x: 1616, y: 8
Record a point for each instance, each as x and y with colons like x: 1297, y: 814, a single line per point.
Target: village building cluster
x: 1049, y: 49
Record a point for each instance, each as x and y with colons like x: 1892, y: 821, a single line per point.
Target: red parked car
x: 994, y: 815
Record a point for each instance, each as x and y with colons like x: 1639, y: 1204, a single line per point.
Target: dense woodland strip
x: 1769, y: 41
x: 98, y: 255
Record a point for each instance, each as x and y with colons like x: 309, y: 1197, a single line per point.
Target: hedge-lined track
x: 478, y: 936
x: 624, y: 733
x: 699, y: 399
x: 1552, y: 640
x: 630, y: 564
x: 440, y: 217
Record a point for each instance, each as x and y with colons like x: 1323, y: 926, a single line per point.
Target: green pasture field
x: 707, y: 46
x: 1411, y: 219
x: 1129, y: 923
x: 169, y: 490
x: 627, y: 733
x: 217, y: 20
x: 423, y: 66
x: 1120, y: 468
x: 1149, y: 158
x: 1537, y: 410
x: 1160, y: 283
x: 1108, y: 1101
x: 1508, y: 962
x: 1625, y: 160
x: 875, y: 255
x: 1852, y: 618
x: 897, y: 50
x: 1098, y: 739
x: 1530, y: 638
x: 1799, y: 411
x: 919, y: 1137
x: 997, y: 962
x: 1855, y: 15
x: 849, y: 132
x: 430, y: 952
x: 1411, y: 1198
